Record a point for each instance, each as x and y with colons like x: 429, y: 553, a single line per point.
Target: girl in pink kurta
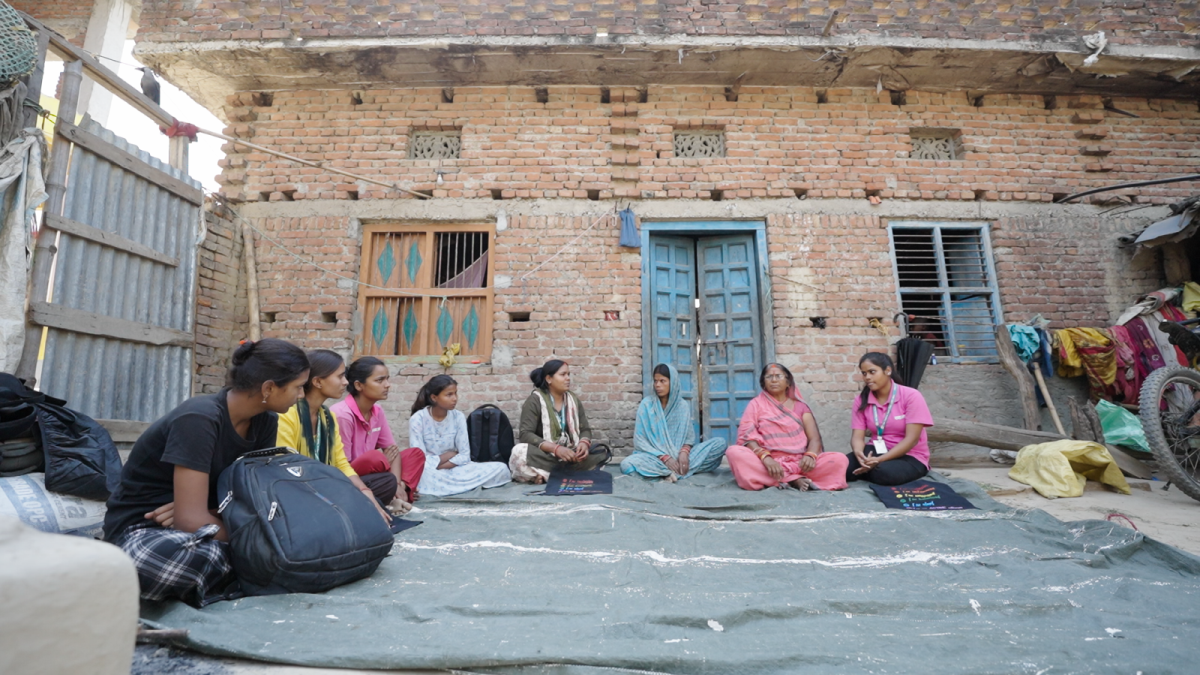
x: 889, y: 443
x: 778, y: 441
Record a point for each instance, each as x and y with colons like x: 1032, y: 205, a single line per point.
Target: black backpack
x: 490, y: 434
x: 296, y: 525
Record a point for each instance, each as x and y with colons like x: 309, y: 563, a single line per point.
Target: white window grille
x: 947, y: 286
x: 435, y: 145
x: 936, y: 144
x: 699, y: 143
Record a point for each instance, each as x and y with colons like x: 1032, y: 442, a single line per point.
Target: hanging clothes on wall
x: 1025, y: 340
x: 1129, y: 371
x: 1145, y: 349
x: 1088, y: 351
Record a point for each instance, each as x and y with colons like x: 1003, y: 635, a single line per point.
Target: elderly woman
x: 554, y: 431
x: 664, y: 435
x: 779, y: 443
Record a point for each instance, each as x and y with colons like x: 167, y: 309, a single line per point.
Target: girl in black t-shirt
x: 164, y: 512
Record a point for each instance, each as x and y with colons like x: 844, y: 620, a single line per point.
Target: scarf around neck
x: 320, y: 450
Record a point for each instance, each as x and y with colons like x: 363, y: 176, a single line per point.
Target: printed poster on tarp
x: 921, y: 495
x: 563, y: 483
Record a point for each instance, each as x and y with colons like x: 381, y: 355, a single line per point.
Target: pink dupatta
x: 773, y: 427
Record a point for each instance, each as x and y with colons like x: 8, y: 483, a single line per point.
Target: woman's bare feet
x: 670, y: 478
x: 399, y: 507
x: 801, y: 484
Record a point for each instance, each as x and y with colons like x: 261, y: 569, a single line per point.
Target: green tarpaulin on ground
x: 702, y: 577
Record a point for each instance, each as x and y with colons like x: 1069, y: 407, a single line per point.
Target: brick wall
x: 781, y: 142
x: 221, y: 319
x: 1070, y: 270
x: 1151, y: 22
x: 567, y: 319
x: 67, y: 17
x: 837, y: 267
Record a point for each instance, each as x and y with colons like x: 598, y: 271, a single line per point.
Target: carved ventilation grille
x: 935, y: 144
x: 435, y: 145
x: 699, y: 143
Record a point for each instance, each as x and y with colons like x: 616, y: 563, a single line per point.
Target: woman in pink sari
x: 779, y: 443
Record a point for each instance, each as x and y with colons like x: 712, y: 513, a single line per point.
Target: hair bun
x: 242, y: 353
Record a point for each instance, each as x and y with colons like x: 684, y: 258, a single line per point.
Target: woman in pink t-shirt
x: 367, y: 439
x: 888, y: 422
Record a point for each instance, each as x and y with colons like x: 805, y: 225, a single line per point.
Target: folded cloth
x: 1191, y: 296
x: 1060, y: 468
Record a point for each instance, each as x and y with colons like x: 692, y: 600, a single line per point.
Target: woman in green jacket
x: 554, y: 432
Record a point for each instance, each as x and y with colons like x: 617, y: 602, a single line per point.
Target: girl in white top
x: 440, y: 432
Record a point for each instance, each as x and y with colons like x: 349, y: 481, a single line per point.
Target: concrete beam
x: 210, y: 71
x: 467, y: 210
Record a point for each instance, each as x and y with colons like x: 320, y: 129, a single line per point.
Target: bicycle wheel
x: 1170, y: 401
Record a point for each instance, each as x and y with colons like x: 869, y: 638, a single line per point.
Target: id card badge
x: 880, y: 447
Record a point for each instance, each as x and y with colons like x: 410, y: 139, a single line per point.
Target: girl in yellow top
x: 311, y: 429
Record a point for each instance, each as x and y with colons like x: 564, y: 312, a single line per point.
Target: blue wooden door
x: 731, y: 331
x: 672, y: 279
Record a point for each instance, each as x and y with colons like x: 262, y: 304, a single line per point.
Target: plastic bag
x: 1121, y: 427
x: 81, y: 459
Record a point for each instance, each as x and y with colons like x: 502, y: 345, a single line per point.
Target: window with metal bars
x: 426, y: 288
x: 946, y: 284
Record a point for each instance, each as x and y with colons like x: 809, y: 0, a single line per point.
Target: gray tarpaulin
x: 702, y: 577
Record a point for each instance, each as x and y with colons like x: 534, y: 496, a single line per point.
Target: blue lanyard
x: 875, y: 412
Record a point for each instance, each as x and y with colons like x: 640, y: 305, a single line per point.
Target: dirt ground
x: 1166, y: 515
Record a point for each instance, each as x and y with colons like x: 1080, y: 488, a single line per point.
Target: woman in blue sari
x: 664, y: 437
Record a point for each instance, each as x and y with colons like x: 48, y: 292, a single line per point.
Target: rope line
x: 568, y: 244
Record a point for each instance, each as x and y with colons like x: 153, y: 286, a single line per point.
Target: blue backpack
x: 297, y: 525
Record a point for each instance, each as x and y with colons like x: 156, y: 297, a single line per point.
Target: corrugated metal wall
x: 107, y: 377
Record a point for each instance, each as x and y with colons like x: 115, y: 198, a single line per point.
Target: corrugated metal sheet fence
x: 121, y: 309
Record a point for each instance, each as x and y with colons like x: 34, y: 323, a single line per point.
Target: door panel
x: 731, y: 350
x: 673, y: 295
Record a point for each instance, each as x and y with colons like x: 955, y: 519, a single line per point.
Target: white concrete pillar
x: 67, y: 604
x: 107, y: 31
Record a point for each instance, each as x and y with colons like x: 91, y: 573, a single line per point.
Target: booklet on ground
x: 921, y: 495
x: 579, y: 483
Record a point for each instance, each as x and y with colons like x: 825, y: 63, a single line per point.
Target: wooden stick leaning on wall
x: 1013, y: 364
x: 251, y: 282
x: 1041, y: 383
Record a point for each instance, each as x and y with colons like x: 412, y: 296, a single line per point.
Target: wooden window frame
x: 944, y: 289
x: 427, y: 297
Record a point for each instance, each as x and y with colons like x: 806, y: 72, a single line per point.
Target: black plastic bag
x: 81, y: 459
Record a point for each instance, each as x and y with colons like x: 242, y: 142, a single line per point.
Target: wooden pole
x: 43, y: 252
x: 987, y: 435
x: 178, y: 151
x: 1041, y: 383
x: 1016, y: 367
x: 1081, y: 426
x: 251, y: 282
